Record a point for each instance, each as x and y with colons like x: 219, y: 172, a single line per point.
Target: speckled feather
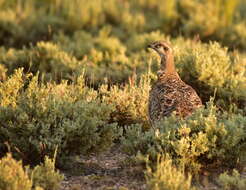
x: 169, y: 93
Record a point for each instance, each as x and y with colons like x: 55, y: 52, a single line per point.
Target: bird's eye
x: 165, y: 48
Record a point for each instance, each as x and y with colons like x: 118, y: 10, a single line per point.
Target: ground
x: 106, y: 171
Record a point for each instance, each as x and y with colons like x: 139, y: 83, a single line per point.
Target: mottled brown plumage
x: 169, y: 93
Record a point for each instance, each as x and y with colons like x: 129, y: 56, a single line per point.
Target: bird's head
x: 166, y: 53
x: 162, y: 48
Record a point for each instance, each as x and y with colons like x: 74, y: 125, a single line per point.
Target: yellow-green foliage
x: 71, y: 117
x: 220, y: 12
x: 12, y: 175
x: 32, y: 20
x: 22, y: 22
x: 204, y: 139
x: 209, y: 68
x: 45, y: 176
x: 102, y: 55
x: 166, y: 176
x: 130, y: 101
x: 9, y: 90
x: 232, y: 182
x: 45, y: 57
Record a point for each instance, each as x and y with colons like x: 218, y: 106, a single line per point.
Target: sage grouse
x: 170, y: 93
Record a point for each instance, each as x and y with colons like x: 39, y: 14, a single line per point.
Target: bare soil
x: 105, y: 171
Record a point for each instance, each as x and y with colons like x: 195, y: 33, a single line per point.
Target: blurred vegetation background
x: 73, y: 72
x: 25, y: 21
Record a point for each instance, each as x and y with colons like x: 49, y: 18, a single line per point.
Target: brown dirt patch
x: 103, y: 172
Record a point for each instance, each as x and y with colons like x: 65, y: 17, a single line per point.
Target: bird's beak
x: 150, y: 46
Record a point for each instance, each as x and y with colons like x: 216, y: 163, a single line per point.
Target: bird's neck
x: 167, y: 64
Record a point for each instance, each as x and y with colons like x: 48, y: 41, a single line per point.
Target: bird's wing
x: 168, y: 99
x: 172, y: 96
x: 189, y: 100
x: 162, y: 101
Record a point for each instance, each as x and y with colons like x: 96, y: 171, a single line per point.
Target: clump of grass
x: 12, y: 175
x: 166, y: 176
x: 231, y: 182
x: 46, y: 176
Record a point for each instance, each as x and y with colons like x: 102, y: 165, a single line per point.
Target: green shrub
x: 12, y: 175
x: 232, y: 182
x: 10, y: 89
x: 166, y: 176
x: 71, y: 117
x: 220, y: 13
x: 46, y: 57
x: 22, y: 22
x: 234, y: 35
x: 42, y: 20
x: 130, y: 101
x: 103, y: 55
x: 205, y: 139
x: 45, y: 176
x: 10, y: 31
